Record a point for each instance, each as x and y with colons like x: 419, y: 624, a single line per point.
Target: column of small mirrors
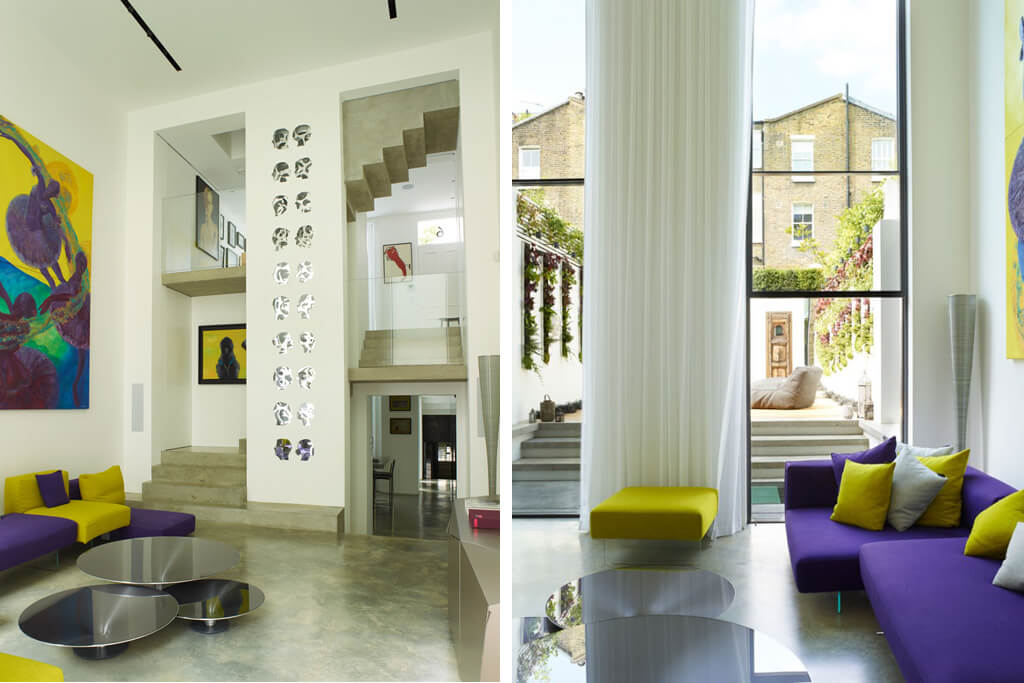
x: 292, y: 212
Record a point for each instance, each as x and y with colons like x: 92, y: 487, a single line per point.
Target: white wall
x: 70, y: 116
x: 939, y: 201
x: 218, y: 410
x: 404, y: 448
x: 999, y: 381
x: 314, y: 98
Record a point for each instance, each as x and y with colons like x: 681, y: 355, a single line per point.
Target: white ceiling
x: 433, y: 189
x: 225, y: 43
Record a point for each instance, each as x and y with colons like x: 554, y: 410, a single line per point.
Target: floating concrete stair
x: 209, y: 456
x: 439, y: 133
x: 546, y: 477
x: 424, y: 346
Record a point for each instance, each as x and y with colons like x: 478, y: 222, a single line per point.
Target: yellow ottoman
x: 20, y: 669
x: 681, y: 513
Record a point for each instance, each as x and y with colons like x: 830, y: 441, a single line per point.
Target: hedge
x: 788, y: 279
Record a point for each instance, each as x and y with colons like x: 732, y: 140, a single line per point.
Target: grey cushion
x: 914, y: 487
x: 792, y: 393
x: 1011, y: 572
x: 923, y: 451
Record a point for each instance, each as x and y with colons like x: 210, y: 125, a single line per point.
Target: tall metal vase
x: 490, y: 397
x: 963, y: 310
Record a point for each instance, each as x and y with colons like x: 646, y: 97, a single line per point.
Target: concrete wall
x: 70, y: 116
x: 999, y: 382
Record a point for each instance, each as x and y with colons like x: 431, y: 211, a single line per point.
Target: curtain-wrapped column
x: 668, y: 139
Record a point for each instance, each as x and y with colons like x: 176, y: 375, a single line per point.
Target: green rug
x: 765, y: 495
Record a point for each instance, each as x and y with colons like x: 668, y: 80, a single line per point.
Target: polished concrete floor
x: 359, y: 608
x: 424, y: 515
x: 845, y: 647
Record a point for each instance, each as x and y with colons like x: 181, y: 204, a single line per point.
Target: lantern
x: 864, y: 403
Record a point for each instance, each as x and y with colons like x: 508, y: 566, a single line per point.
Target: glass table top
x: 658, y: 649
x: 158, y: 560
x: 629, y: 592
x: 213, y: 599
x: 98, y: 616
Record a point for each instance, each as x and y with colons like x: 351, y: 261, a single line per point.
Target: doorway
x: 414, y: 448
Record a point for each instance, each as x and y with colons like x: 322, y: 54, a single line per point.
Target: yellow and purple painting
x: 45, y: 259
x: 222, y: 357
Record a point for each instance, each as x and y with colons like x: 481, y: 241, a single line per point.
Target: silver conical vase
x: 963, y: 310
x: 490, y: 396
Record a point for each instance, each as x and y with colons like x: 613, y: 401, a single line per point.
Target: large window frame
x: 901, y: 293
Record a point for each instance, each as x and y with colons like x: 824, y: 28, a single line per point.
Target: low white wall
x: 404, y: 448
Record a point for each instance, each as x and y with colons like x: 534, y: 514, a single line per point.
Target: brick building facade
x: 831, y: 135
x: 549, y: 144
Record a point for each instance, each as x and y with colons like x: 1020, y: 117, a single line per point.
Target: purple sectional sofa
x: 145, y: 522
x: 944, y: 620
x: 25, y: 537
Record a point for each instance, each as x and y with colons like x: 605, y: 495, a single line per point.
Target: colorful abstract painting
x: 45, y: 262
x: 1013, y: 74
x: 222, y: 354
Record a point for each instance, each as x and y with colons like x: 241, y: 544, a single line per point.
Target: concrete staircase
x: 775, y: 442
x: 198, y: 475
x: 546, y: 478
x: 439, y: 133
x: 424, y: 346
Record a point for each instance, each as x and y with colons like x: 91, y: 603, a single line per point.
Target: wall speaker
x: 138, y: 406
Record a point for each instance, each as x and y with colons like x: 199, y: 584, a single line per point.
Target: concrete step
x: 267, y: 515
x: 545, y: 498
x: 413, y: 333
x: 765, y: 469
x: 546, y: 469
x: 242, y: 446
x: 810, y: 445
x: 562, y: 429
x: 549, y: 447
x: 804, y: 427
x: 158, y: 492
x: 212, y: 456
x: 204, y: 475
x: 415, y: 362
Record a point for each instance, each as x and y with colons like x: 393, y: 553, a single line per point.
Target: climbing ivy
x: 547, y: 304
x: 541, y: 221
x: 531, y: 276
x: 568, y: 280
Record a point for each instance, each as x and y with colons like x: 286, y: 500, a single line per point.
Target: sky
x: 804, y: 51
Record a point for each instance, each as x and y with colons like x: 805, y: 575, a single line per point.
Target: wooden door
x: 779, y: 330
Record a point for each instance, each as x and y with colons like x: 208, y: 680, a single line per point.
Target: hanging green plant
x: 547, y: 304
x: 568, y: 280
x: 531, y: 277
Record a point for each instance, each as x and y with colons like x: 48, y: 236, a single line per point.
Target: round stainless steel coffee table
x: 98, y: 621
x: 629, y: 592
x: 158, y: 561
x: 210, y: 604
x: 658, y: 649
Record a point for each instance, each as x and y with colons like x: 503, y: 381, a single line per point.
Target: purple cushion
x: 156, y: 523
x: 75, y: 489
x: 881, y: 454
x: 825, y: 554
x: 943, y: 618
x: 26, y: 537
x: 51, y: 488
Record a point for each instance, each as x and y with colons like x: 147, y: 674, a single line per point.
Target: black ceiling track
x: 392, y: 10
x: 149, y: 32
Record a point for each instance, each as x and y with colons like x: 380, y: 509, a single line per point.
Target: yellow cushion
x: 105, y: 487
x: 994, y: 526
x: 864, y: 493
x: 945, y: 509
x: 21, y: 493
x: 93, y: 518
x: 682, y: 513
x: 20, y: 669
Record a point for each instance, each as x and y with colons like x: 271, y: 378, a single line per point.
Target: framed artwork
x: 222, y: 354
x: 397, y: 262
x: 207, y: 219
x: 222, y: 226
x: 399, y: 404
x: 401, y: 425
x: 224, y: 256
x: 232, y: 234
x: 240, y: 241
x: 45, y: 271
x: 232, y: 258
x: 1013, y: 99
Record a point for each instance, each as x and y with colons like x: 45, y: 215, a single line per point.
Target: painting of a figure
x: 45, y: 261
x: 222, y: 354
x: 1013, y: 91
x: 207, y: 219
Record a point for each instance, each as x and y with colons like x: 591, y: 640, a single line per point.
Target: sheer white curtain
x: 668, y: 140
